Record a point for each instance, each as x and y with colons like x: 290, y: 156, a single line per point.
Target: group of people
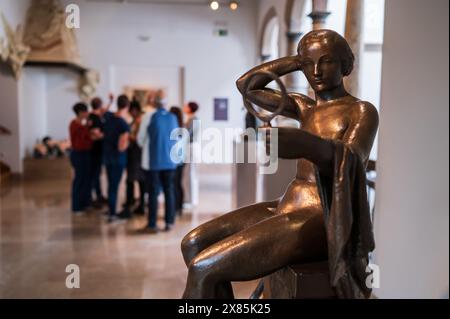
x: 132, y: 140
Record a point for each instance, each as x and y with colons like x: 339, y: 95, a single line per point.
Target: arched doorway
x: 270, y: 36
x: 296, y: 16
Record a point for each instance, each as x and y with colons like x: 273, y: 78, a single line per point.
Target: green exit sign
x: 222, y: 32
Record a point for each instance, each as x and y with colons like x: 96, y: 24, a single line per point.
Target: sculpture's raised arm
x: 270, y: 99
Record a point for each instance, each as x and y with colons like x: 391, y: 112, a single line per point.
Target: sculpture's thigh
x: 223, y: 226
x: 265, y: 247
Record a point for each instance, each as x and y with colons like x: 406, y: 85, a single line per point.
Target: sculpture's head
x: 326, y: 58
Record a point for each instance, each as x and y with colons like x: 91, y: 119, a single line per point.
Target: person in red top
x: 80, y: 157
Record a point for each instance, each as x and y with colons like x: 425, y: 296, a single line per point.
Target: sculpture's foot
x: 202, y: 283
x: 197, y: 286
x: 204, y: 290
x: 224, y: 291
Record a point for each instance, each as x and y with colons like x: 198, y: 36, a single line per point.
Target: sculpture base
x: 302, y: 281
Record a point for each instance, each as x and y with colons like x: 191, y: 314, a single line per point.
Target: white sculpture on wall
x: 14, y: 51
x: 46, y: 39
x: 47, y: 35
x: 88, y: 84
x: 3, y: 50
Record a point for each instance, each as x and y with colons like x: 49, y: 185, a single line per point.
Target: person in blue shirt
x: 161, y: 168
x: 115, y: 144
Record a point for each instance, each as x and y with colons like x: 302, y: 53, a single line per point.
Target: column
x: 319, y: 13
x: 264, y: 58
x: 353, y: 34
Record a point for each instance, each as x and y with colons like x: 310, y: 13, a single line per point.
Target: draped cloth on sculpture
x: 348, y: 224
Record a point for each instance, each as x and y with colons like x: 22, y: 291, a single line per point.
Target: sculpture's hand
x: 287, y: 141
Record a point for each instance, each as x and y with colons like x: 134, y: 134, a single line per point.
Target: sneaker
x: 139, y: 210
x: 114, y: 220
x: 168, y: 227
x: 125, y: 214
x: 128, y: 204
x: 97, y: 204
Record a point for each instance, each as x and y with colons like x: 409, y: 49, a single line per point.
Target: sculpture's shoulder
x: 303, y: 102
x: 364, y: 111
x: 362, y: 128
x: 302, y: 99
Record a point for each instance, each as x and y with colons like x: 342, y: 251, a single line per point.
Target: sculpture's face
x: 321, y: 65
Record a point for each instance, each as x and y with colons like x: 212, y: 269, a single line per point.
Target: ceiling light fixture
x: 234, y: 5
x: 214, y: 5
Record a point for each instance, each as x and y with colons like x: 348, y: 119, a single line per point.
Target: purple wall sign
x: 220, y: 109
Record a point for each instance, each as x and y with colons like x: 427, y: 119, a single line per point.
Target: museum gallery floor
x: 39, y: 238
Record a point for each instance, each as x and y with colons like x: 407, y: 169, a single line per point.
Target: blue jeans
x: 156, y: 179
x: 114, y: 171
x: 81, y: 185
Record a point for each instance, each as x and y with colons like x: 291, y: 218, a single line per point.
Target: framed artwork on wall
x: 145, y: 95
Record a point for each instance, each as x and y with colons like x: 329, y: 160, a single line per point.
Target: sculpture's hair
x: 334, y: 39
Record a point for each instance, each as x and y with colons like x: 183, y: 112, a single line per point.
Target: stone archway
x: 269, y: 40
x: 294, y: 14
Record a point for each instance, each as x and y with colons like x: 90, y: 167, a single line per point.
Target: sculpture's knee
x: 200, y: 268
x: 190, y: 246
x: 201, y: 281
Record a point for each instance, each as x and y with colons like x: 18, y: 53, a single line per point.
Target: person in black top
x: 134, y: 170
x: 96, y: 125
x: 115, y: 144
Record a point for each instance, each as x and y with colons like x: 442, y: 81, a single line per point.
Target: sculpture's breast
x: 329, y: 123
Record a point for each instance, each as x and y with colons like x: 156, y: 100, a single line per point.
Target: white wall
x: 33, y: 109
x: 412, y: 203
x: 336, y: 20
x: 10, y: 152
x: 9, y: 118
x: 62, y: 94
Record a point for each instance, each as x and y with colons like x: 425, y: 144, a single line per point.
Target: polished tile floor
x: 39, y: 237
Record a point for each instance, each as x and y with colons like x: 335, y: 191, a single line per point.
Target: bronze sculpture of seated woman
x: 323, y: 212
